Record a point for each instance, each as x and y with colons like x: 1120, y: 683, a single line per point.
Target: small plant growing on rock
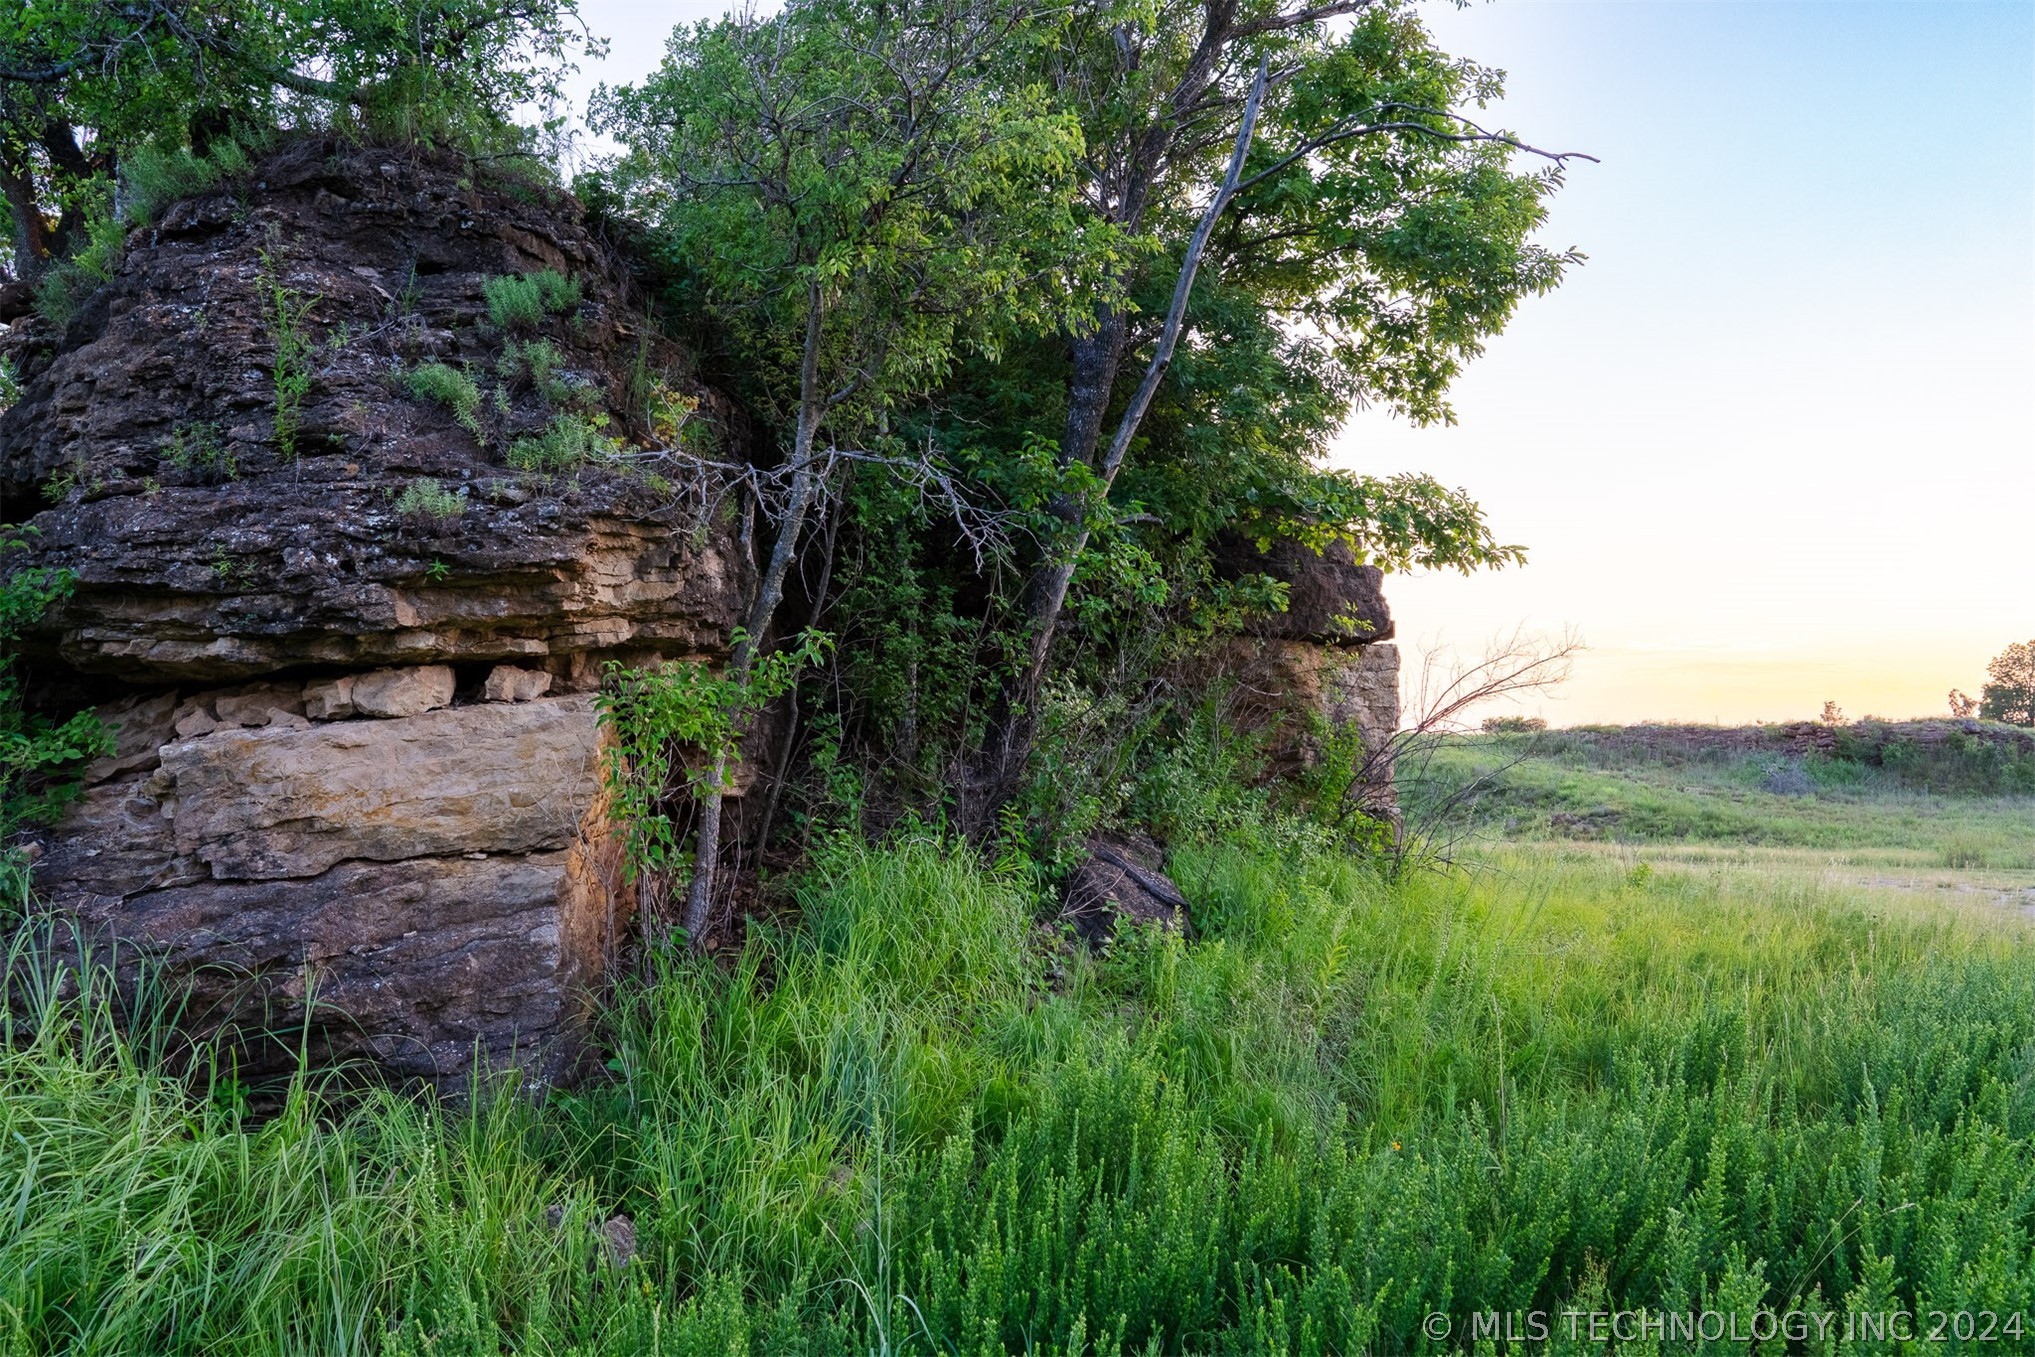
x: 559, y: 294
x: 36, y: 754
x: 287, y: 312
x: 519, y: 305
x: 425, y: 496
x: 540, y: 363
x: 443, y: 384
x: 569, y: 443
x: 514, y: 304
x: 196, y: 449
x: 10, y: 385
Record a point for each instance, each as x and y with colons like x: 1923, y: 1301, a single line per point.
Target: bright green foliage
x: 513, y: 303
x: 519, y: 304
x: 157, y: 176
x: 904, y: 1124
x: 443, y: 384
x: 2009, y: 694
x: 865, y: 192
x: 425, y: 496
x: 559, y: 294
x: 671, y: 726
x: 92, y: 84
x: 287, y: 312
x: 568, y: 443
x: 10, y: 385
x: 196, y: 448
x: 35, y: 753
x: 539, y: 362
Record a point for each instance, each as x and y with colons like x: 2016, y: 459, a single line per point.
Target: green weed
x: 427, y: 497
x: 568, y: 443
x: 443, y: 384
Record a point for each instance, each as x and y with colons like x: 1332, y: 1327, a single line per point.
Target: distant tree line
x: 2009, y: 693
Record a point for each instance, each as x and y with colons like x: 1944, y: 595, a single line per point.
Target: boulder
x: 422, y: 890
x: 1120, y: 881
x: 507, y: 683
x: 403, y: 692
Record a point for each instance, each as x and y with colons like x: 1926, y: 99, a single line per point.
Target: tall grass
x: 916, y: 1122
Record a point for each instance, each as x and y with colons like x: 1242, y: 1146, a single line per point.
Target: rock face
x: 435, y: 884
x: 355, y: 795
x: 1324, y: 666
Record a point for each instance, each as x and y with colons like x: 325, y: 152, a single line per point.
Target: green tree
x: 865, y: 191
x: 1367, y: 232
x: 2009, y: 694
x: 84, y: 84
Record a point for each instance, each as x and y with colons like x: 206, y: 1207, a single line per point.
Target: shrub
x: 514, y: 304
x: 567, y: 444
x: 520, y: 304
x: 442, y: 384
x: 156, y: 177
x: 425, y: 496
x: 288, y: 314
x: 1514, y: 725
x: 559, y: 294
x: 195, y: 448
x: 540, y: 363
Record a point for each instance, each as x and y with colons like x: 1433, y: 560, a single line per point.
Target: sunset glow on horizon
x: 1774, y: 443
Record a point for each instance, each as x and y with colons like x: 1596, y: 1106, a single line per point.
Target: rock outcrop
x: 355, y: 797
x: 1325, y: 665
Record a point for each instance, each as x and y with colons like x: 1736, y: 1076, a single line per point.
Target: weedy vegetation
x: 427, y: 497
x: 453, y: 388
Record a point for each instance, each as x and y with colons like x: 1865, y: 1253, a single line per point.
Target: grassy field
x: 1654, y: 1067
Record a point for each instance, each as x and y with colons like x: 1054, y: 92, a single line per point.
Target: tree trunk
x: 1096, y: 360
x: 805, y: 482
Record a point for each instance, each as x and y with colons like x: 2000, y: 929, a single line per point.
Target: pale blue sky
x: 1775, y: 442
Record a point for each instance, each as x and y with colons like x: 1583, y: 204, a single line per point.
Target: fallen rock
x: 417, y: 889
x: 507, y: 683
x: 417, y: 966
x: 1121, y: 880
x: 403, y: 692
x: 330, y: 699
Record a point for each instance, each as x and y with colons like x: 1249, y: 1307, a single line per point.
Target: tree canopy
x: 86, y: 83
x: 2009, y: 693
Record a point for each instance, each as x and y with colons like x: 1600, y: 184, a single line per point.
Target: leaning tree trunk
x: 805, y: 484
x: 1095, y: 362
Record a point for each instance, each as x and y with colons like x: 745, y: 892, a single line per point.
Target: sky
x: 1774, y: 443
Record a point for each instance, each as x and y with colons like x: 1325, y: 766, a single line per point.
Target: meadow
x: 1656, y: 1067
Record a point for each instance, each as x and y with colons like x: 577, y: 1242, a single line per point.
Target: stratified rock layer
x: 1323, y: 667
x: 440, y: 884
x: 355, y: 796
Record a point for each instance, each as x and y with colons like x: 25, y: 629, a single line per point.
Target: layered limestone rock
x: 1323, y: 667
x: 414, y: 888
x: 355, y: 794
